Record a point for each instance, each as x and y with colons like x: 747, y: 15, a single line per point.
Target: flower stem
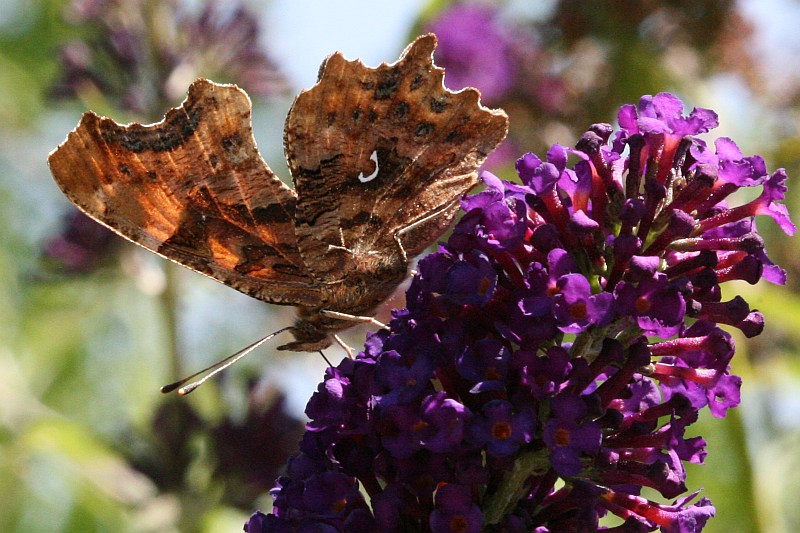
x: 515, y: 485
x: 169, y: 304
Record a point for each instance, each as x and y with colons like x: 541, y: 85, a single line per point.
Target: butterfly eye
x: 364, y: 179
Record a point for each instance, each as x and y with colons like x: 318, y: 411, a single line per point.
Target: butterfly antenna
x: 216, y: 368
x: 325, y: 358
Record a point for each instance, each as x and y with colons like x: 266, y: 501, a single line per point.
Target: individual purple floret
x: 554, y: 352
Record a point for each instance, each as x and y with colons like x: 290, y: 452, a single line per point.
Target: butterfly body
x: 358, y: 294
x: 379, y: 157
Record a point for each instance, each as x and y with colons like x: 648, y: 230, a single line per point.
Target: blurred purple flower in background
x: 143, y: 55
x: 243, y: 454
x: 82, y: 245
x: 555, y: 66
x: 476, y: 50
x: 554, y: 351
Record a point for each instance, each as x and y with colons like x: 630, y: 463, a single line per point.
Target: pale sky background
x: 305, y: 32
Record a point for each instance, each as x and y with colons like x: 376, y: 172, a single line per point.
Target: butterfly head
x: 313, y: 331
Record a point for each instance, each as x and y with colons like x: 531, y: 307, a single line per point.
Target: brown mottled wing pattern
x: 194, y: 189
x: 375, y: 150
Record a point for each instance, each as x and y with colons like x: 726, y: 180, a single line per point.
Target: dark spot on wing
x: 232, y: 142
x: 237, y: 213
x: 321, y: 211
x: 418, y: 80
x: 254, y: 254
x: 356, y: 114
x: 439, y: 105
x: 359, y: 219
x: 288, y: 269
x: 423, y: 129
x: 400, y: 110
x: 387, y: 86
x: 179, y: 125
x: 191, y: 234
x: 454, y: 137
x: 125, y: 169
x: 271, y: 214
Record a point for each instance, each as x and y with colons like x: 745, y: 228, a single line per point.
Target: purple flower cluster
x: 554, y: 351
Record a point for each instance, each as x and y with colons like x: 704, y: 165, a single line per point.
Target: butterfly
x: 379, y: 158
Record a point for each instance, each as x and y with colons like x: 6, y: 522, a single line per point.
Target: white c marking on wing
x: 364, y: 179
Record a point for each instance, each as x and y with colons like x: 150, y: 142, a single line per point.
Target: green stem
x: 169, y: 304
x: 514, y: 485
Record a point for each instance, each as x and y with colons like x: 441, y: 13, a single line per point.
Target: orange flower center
x: 458, y: 524
x: 562, y: 437
x: 578, y: 310
x: 484, y: 286
x: 492, y: 373
x: 339, y: 505
x: 501, y: 430
x: 642, y: 304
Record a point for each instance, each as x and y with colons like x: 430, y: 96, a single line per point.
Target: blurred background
x: 91, y: 326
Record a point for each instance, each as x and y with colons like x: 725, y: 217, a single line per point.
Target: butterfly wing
x: 375, y: 150
x: 194, y: 189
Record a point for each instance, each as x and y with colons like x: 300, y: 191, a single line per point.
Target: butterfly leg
x: 399, y: 233
x: 400, y: 245
x: 353, y: 318
x: 344, y: 345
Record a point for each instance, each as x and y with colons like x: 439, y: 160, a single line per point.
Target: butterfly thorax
x: 358, y: 294
x: 312, y: 331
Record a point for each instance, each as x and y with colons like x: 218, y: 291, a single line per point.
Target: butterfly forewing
x: 194, y: 189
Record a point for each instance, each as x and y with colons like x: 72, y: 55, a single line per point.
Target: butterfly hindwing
x: 194, y: 189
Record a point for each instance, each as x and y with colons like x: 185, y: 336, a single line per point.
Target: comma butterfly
x: 379, y: 158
